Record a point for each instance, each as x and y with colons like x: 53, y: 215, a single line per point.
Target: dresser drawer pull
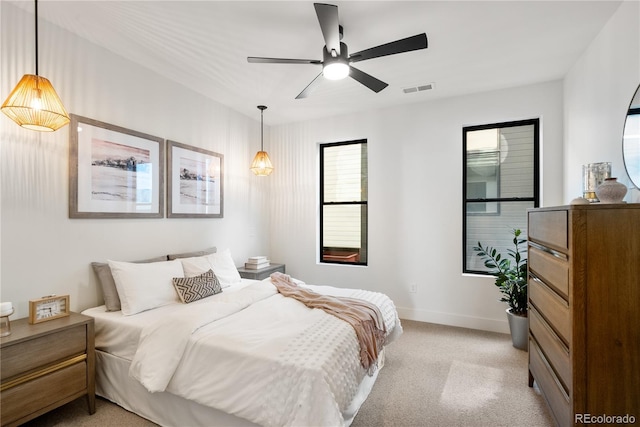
x: 550, y: 251
x: 554, y: 294
x: 43, y: 372
x: 552, y: 333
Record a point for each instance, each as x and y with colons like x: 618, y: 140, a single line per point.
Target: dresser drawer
x: 553, y: 270
x: 556, y: 352
x: 549, y: 228
x: 554, y: 393
x: 29, y: 397
x: 35, y: 353
x: 552, y: 307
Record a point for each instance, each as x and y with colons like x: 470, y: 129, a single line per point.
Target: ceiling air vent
x: 420, y: 88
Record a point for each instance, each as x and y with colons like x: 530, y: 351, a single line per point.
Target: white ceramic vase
x: 611, y: 191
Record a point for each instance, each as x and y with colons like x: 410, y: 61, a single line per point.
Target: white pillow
x: 145, y: 286
x: 224, y: 268
x: 221, y: 263
x: 195, y: 266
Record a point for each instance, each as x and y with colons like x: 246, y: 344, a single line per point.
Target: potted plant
x: 511, y: 278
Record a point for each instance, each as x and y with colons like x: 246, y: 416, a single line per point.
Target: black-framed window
x: 500, y: 182
x: 343, y: 202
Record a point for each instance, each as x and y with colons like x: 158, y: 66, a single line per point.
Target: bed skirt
x: 114, y: 384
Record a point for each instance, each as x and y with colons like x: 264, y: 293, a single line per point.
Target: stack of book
x: 256, y: 262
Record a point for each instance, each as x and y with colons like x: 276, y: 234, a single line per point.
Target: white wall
x: 597, y: 94
x: 45, y: 252
x: 415, y: 199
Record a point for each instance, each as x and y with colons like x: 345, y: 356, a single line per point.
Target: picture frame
x: 114, y: 172
x: 195, y: 182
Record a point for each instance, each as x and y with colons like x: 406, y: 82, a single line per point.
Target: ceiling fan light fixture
x: 34, y: 103
x: 334, y: 66
x: 335, y: 71
x: 261, y: 164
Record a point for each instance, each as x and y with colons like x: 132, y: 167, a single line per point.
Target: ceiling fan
x: 336, y: 61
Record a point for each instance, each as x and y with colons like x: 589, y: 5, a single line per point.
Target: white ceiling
x: 474, y: 46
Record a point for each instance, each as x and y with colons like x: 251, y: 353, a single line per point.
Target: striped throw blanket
x: 363, y: 316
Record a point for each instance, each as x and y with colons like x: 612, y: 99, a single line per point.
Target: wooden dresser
x: 584, y: 310
x: 46, y: 365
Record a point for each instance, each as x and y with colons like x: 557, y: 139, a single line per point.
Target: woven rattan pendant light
x: 261, y: 164
x: 34, y: 103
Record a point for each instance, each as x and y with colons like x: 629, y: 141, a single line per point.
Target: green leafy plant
x: 510, y: 272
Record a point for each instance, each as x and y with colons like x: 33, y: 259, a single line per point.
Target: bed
x: 244, y: 355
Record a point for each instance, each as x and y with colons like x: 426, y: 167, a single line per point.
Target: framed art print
x: 114, y: 172
x: 195, y: 182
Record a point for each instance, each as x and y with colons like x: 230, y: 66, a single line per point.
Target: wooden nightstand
x: 46, y: 365
x: 263, y: 273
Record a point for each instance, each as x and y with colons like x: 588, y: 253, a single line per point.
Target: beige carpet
x: 444, y: 376
x: 433, y: 376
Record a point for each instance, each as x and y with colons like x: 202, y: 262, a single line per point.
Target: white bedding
x: 249, y: 352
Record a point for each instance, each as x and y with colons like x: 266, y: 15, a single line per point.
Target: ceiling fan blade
x: 399, y: 46
x: 259, y: 60
x: 310, y: 87
x: 328, y: 19
x: 367, y: 80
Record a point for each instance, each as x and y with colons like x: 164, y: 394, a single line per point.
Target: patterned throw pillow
x: 191, y: 289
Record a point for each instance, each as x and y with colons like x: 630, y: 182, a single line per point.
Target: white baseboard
x: 491, y: 325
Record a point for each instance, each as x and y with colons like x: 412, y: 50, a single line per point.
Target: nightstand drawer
x: 550, y: 228
x: 33, y: 354
x: 555, y: 350
x: 45, y: 366
x: 32, y: 396
x: 262, y: 273
x: 553, y: 308
x: 551, y: 269
x: 556, y: 396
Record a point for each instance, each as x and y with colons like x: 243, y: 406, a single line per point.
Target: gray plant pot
x: 519, y: 327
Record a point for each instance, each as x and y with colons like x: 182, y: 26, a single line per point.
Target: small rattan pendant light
x: 261, y: 164
x: 34, y: 103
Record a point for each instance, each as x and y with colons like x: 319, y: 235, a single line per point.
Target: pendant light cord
x: 262, y: 108
x: 36, y: 15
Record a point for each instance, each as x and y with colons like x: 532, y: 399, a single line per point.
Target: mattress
x: 242, y: 364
